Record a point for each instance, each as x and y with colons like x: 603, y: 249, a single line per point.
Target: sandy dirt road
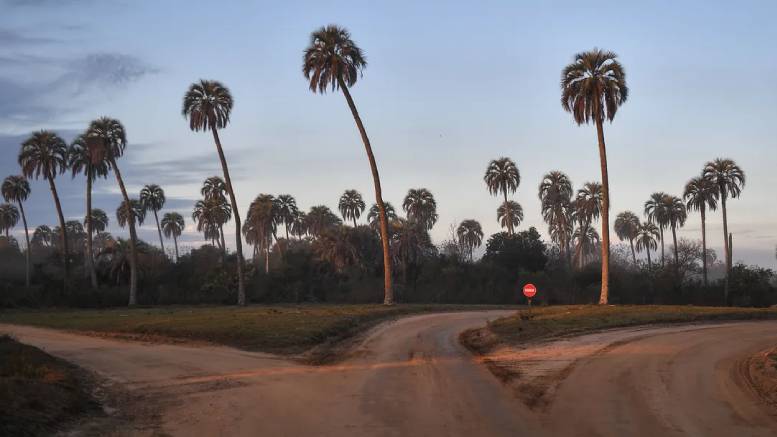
x: 411, y: 377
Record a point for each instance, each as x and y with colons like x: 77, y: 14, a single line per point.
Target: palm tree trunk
x: 633, y: 254
x: 388, y: 293
x: 354, y: 222
x: 674, y: 242
x: 726, y: 249
x: 650, y: 264
x: 704, y: 246
x: 605, y: 213
x: 568, y: 252
x: 509, y: 222
x: 133, y: 294
x: 27, y: 252
x: 175, y: 242
x: 89, y: 243
x: 63, y: 232
x: 661, y: 229
x: 241, y: 287
x: 159, y: 231
x: 267, y: 257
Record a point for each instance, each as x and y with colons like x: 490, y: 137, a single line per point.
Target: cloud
x: 10, y: 38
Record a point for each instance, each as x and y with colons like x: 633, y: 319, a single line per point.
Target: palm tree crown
x: 207, y: 104
x: 332, y: 60
x: 593, y: 86
x: 502, y: 176
x: 213, y: 186
x: 107, y: 138
x: 9, y: 217
x: 137, y: 210
x: 509, y: 214
x: 373, y: 216
x: 44, y: 153
x: 172, y: 224
x: 626, y: 225
x: 351, y: 205
x: 152, y: 197
x: 81, y: 160
x: 421, y: 208
x: 726, y: 175
x: 588, y: 203
x: 286, y: 205
x: 701, y: 194
x: 470, y: 235
x: 15, y: 189
x: 99, y: 220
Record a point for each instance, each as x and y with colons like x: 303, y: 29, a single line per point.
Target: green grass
x: 277, y: 329
x: 39, y: 394
x: 555, y: 321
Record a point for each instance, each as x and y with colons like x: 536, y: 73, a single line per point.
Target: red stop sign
x: 529, y: 290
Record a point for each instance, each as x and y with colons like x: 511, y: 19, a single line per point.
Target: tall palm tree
x: 320, y: 218
x: 373, y: 215
x: 207, y: 104
x: 626, y: 228
x: 351, y: 205
x: 82, y: 161
x: 211, y: 214
x: 502, y: 176
x: 421, y: 208
x: 586, y: 238
x: 9, y: 217
x: 646, y: 239
x: 153, y: 198
x: 107, y: 140
x: 676, y: 214
x: 44, y: 153
x: 260, y: 225
x: 99, y: 220
x: 555, y: 193
x: 172, y: 226
x: 701, y: 194
x: 655, y: 211
x: 17, y: 189
x: 470, y: 235
x: 729, y: 179
x: 509, y: 215
x: 215, y: 188
x: 334, y: 61
x: 588, y: 203
x: 593, y: 87
x: 287, y: 211
x: 135, y: 213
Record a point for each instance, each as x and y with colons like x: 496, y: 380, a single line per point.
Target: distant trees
x: 470, y: 235
x: 421, y: 208
x: 17, y: 189
x: 502, y: 176
x: 351, y: 205
x: 172, y: 226
x: 701, y: 194
x: 555, y: 193
x: 152, y: 197
x: 626, y: 228
x: 524, y: 250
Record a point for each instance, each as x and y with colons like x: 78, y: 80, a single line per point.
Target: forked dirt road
x: 411, y: 377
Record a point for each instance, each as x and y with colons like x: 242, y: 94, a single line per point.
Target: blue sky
x: 449, y: 86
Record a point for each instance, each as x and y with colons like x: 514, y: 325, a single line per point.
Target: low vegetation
x: 556, y: 321
x: 277, y: 329
x: 39, y: 394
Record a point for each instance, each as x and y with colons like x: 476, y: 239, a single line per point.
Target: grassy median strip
x: 556, y: 321
x: 285, y: 329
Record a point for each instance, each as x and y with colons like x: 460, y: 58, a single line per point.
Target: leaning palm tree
x: 373, y: 215
x: 152, y: 197
x: 626, y: 228
x: 82, y: 161
x: 729, y: 179
x: 207, y: 104
x: 9, y: 217
x: 655, y: 211
x: 333, y: 61
x: 421, y: 208
x: 17, y: 189
x: 555, y: 193
x: 701, y: 194
x: 470, y: 235
x: 44, y: 153
x: 502, y: 176
x: 172, y: 226
x: 287, y: 211
x: 646, y: 239
x: 593, y: 87
x: 509, y: 215
x: 676, y: 214
x: 351, y: 205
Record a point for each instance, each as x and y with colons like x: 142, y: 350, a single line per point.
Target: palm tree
x: 351, y: 205
x: 215, y: 188
x: 676, y: 215
x: 82, y: 161
x: 135, y: 213
x: 655, y: 211
x: 320, y: 218
x: 333, y: 60
x: 502, y: 176
x: 260, y: 226
x: 588, y: 203
x: 593, y: 87
x: 701, y: 194
x: 207, y: 105
x: 9, y: 217
x: 586, y: 238
x: 299, y: 224
x: 509, y: 215
x: 153, y: 198
x: 210, y: 214
x: 287, y: 211
x: 626, y: 228
x: 99, y: 220
x: 373, y: 216
x: 646, y: 239
x: 421, y: 208
x: 338, y: 246
x: 555, y: 193
x: 17, y: 189
x: 107, y: 139
x: 172, y: 226
x: 42, y: 236
x: 729, y: 180
x: 44, y: 153
x: 470, y: 235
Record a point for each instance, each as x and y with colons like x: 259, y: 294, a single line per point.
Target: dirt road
x: 413, y: 378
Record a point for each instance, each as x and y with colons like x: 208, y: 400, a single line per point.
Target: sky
x: 449, y: 86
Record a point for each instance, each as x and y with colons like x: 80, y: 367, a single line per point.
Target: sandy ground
x: 411, y: 377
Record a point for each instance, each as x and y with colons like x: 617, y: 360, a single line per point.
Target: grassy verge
x: 38, y: 393
x: 556, y: 321
x: 276, y: 329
